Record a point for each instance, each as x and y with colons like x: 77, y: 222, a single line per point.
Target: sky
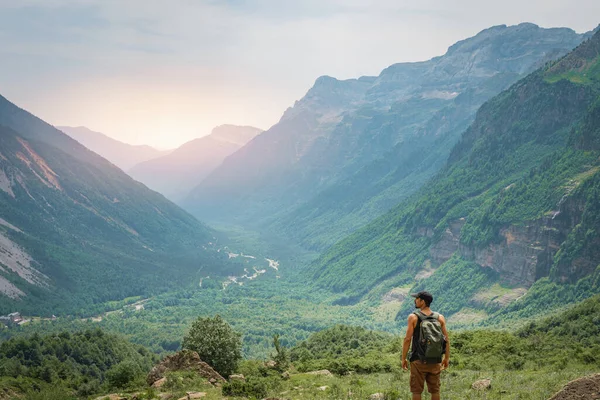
x: 165, y: 72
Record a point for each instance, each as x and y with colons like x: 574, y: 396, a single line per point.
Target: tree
x: 216, y: 343
x: 281, y: 357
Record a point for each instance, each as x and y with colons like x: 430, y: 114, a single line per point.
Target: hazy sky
x: 164, y: 72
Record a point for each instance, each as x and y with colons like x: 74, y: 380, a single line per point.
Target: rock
x: 285, y: 376
x: 112, y: 396
x: 159, y: 383
x: 323, y: 372
x: 195, y: 395
x: 238, y: 377
x: 185, y: 360
x: 323, y: 388
x: 482, y: 384
x: 583, y: 388
x: 377, y: 396
x: 270, y: 364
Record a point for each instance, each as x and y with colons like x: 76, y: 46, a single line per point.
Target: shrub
x: 123, y: 373
x: 254, y: 387
x: 216, y: 343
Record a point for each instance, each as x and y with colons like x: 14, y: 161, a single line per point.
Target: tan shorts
x: 421, y: 373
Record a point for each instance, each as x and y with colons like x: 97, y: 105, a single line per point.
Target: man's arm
x: 412, y: 321
x: 446, y: 360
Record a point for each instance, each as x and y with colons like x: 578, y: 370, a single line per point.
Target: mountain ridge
x: 121, y: 154
x: 359, y: 132
x: 176, y: 173
x: 512, y: 206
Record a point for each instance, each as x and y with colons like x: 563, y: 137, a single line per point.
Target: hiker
x: 427, y: 333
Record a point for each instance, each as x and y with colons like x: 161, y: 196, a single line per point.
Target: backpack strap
x: 423, y: 317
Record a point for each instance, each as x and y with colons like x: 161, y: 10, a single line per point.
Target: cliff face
x: 523, y: 253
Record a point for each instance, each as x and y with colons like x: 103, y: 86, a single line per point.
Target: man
x: 422, y: 369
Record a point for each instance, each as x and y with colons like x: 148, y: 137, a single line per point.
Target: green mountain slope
x: 516, y: 203
x: 75, y: 230
x: 350, y: 150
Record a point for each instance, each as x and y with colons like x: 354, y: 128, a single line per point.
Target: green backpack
x: 432, y: 342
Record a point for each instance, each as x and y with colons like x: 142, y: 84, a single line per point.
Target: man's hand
x: 445, y: 363
x: 405, y: 364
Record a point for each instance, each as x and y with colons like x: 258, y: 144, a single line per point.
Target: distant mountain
x: 515, y: 212
x: 75, y: 230
x: 121, y: 154
x: 174, y: 175
x: 350, y: 150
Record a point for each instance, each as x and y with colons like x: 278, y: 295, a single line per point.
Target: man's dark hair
x: 425, y: 296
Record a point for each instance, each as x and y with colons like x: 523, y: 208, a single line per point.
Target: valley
x: 474, y: 175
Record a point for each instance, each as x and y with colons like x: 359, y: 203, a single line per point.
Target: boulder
x: 285, y: 376
x: 323, y: 388
x: 185, y: 360
x: 323, y: 372
x: 270, y: 364
x: 112, y: 396
x: 238, y: 377
x: 482, y: 384
x: 195, y: 395
x: 157, y: 384
x: 377, y: 396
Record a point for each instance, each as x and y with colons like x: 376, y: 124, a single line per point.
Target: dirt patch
x: 497, y: 296
x: 467, y: 316
x: 395, y: 295
x: 587, y: 388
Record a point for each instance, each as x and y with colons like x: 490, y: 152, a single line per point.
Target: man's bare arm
x: 446, y: 360
x: 412, y: 321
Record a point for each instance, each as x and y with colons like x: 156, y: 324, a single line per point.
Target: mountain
x: 515, y: 211
x: 176, y: 174
x: 350, y: 150
x: 75, y: 230
x: 121, y: 154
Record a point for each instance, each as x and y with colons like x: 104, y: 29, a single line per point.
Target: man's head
x: 424, y: 296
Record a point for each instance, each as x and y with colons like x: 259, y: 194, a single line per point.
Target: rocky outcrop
x: 185, y: 360
x: 525, y: 252
x: 449, y: 242
x: 524, y: 255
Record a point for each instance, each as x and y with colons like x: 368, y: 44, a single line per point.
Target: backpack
x: 432, y: 343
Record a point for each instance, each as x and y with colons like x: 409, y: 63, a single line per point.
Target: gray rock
x: 482, y: 384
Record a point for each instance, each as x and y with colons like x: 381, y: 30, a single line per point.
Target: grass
x: 456, y: 385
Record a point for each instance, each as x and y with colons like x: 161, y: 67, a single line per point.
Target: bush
x: 216, y: 343
x: 123, y: 373
x: 254, y: 387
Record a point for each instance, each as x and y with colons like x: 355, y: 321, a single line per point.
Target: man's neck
x: 426, y: 310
